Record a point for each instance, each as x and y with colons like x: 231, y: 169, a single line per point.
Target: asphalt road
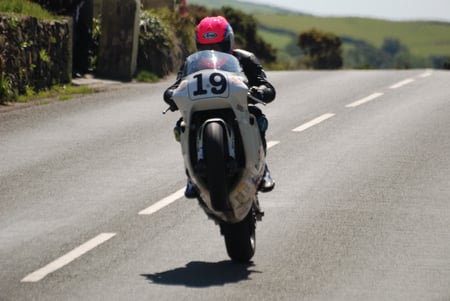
x: 360, y: 210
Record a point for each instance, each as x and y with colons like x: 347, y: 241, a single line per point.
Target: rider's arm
x: 169, y: 91
x: 255, y: 74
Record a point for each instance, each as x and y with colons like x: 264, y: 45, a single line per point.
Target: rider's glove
x: 173, y: 106
x: 257, y: 92
x: 168, y: 99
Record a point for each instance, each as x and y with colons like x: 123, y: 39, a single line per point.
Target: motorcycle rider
x: 215, y: 33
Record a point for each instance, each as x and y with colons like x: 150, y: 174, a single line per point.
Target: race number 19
x: 216, y: 83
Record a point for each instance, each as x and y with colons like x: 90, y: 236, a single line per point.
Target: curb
x: 97, y: 85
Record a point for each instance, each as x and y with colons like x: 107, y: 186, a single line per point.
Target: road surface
x: 91, y: 204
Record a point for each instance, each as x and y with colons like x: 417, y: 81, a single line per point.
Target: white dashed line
x: 163, y: 203
x: 402, y: 83
x: 68, y: 258
x: 313, y: 122
x: 364, y: 100
x: 426, y: 74
x: 272, y: 144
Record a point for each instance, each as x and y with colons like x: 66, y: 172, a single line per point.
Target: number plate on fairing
x: 208, y: 84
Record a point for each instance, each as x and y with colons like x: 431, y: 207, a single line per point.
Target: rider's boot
x: 191, y: 191
x: 267, y: 184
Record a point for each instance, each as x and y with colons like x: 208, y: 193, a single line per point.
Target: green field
x: 423, y: 39
x: 244, y: 6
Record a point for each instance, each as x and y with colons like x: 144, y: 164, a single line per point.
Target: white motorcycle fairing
x: 213, y: 95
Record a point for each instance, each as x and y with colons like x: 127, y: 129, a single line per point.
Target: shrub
x: 322, y: 49
x: 6, y: 92
x: 159, y: 49
x: 24, y: 7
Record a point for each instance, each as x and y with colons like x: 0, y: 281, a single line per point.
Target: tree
x: 441, y: 62
x: 245, y: 28
x: 322, y: 49
x: 397, y: 54
x: 446, y: 64
x: 361, y: 54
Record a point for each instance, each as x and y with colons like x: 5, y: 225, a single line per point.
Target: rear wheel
x: 240, y: 238
x: 215, y: 154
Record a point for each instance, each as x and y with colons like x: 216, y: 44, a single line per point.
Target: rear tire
x: 240, y: 238
x: 215, y: 154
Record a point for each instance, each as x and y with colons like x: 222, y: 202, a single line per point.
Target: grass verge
x: 61, y: 93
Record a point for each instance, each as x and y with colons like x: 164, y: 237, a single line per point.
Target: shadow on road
x: 203, y: 274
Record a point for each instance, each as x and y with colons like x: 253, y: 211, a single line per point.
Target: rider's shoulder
x: 242, y: 54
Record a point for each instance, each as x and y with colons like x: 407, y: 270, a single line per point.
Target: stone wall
x: 33, y: 54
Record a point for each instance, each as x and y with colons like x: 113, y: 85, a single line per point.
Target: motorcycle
x: 222, y: 147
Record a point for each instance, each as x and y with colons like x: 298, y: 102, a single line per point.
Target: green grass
x: 24, y: 7
x: 280, y: 41
x: 147, y: 77
x: 60, y: 92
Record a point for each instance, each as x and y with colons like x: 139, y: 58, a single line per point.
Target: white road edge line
x: 364, y: 100
x: 313, y: 122
x: 68, y: 258
x: 402, y: 83
x: 178, y: 194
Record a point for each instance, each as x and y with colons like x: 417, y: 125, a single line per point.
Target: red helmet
x: 214, y: 33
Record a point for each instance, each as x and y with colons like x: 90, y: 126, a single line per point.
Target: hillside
x: 424, y: 40
x: 244, y: 6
